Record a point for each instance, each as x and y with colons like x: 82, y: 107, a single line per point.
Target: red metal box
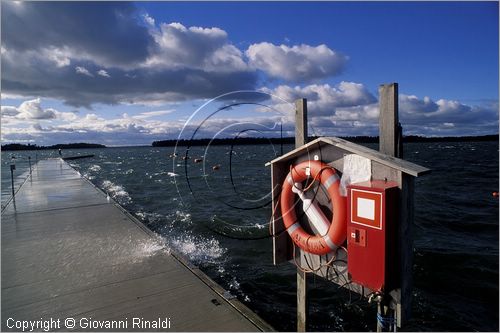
x: 372, y: 212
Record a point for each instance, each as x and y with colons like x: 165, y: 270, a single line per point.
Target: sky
x: 129, y: 73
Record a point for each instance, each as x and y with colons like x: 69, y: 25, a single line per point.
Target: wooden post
x: 12, y: 181
x: 300, y: 140
x: 300, y: 122
x: 302, y: 304
x: 388, y: 119
x: 389, y: 144
x: 407, y: 214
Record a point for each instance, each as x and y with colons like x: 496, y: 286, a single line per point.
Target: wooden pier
x: 69, y: 252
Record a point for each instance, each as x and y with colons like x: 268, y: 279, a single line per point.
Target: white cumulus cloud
x: 103, y: 73
x: 326, y: 99
x: 296, y: 63
x: 349, y: 109
x: 208, y: 49
x: 150, y: 114
x: 32, y: 110
x: 83, y: 71
x: 148, y: 19
x: 9, y: 111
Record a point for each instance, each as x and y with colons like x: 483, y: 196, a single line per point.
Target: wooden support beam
x: 406, y: 217
x: 300, y: 122
x: 391, y: 144
x: 302, y: 304
x: 300, y: 140
x: 388, y: 119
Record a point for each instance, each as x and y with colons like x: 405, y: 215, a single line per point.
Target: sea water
x: 219, y: 220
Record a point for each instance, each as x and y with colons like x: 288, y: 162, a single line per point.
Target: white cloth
x: 356, y: 169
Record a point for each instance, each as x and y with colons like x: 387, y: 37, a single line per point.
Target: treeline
x: 222, y: 141
x: 291, y: 140
x: 414, y: 138
x: 80, y: 145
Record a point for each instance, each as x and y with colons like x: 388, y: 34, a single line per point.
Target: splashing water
x: 117, y: 192
x: 198, y: 249
x: 95, y: 168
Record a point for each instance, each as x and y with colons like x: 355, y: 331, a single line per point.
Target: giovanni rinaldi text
x: 51, y: 324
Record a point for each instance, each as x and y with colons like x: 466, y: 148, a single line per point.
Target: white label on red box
x: 366, y: 208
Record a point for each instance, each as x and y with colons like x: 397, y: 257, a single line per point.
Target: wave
x: 117, y: 192
x: 198, y: 249
x: 95, y: 168
x: 151, y: 247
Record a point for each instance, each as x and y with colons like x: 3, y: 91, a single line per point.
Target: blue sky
x: 130, y: 73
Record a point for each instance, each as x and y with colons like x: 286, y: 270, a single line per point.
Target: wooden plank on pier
x: 68, y: 252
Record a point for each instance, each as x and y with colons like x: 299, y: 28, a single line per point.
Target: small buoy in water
x: 198, y: 160
x: 495, y: 194
x: 216, y: 167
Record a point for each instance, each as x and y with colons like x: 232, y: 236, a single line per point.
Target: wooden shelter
x: 381, y: 165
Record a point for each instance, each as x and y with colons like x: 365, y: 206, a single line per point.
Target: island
x: 21, y: 146
x: 291, y: 140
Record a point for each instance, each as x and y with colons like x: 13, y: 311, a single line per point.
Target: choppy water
x: 456, y: 233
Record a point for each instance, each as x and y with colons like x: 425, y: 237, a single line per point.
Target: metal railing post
x: 12, y: 168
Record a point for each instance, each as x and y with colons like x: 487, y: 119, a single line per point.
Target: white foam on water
x: 172, y: 174
x: 139, y: 250
x: 122, y: 249
x: 183, y: 216
x: 89, y: 177
x: 95, y: 168
x: 128, y: 172
x: 234, y: 284
x: 198, y: 249
x: 259, y: 226
x: 117, y: 192
x: 149, y: 217
x: 141, y: 215
x: 150, y: 247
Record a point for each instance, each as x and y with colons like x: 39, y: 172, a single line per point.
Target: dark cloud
x: 86, y: 53
x: 144, y: 85
x: 107, y: 31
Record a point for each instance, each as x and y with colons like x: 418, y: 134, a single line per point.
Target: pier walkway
x: 68, y: 252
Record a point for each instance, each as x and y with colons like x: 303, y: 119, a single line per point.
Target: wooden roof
x: 374, y: 155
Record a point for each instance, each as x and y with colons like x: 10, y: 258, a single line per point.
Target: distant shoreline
x: 248, y: 141
x: 291, y: 140
x: 80, y: 145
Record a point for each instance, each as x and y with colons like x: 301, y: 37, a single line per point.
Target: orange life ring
x: 336, y: 235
